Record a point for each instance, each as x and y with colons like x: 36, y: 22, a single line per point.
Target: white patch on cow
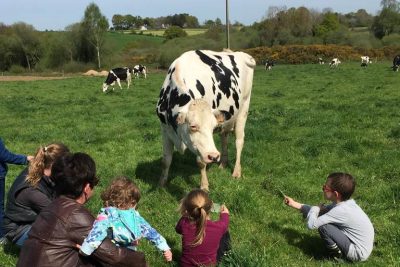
x: 195, y: 120
x: 334, y: 63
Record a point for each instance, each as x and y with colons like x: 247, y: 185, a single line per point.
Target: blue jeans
x: 2, y: 196
x: 20, y: 241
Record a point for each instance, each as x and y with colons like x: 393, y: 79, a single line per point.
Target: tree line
x: 84, y: 42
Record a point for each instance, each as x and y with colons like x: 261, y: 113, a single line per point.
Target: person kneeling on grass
x: 345, y: 228
x: 121, y: 222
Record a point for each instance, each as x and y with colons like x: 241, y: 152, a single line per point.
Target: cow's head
x: 105, y: 87
x: 196, y: 129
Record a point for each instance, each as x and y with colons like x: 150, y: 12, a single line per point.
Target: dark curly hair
x: 72, y: 172
x: 122, y: 193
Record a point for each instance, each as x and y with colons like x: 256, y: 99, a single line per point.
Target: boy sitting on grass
x: 345, y: 228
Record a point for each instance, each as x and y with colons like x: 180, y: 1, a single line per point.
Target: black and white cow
x: 321, y: 61
x: 334, y: 63
x: 117, y: 75
x: 205, y: 91
x: 396, y: 63
x: 139, y: 69
x: 269, y: 64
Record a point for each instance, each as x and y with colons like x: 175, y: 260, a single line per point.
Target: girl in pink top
x: 201, y: 237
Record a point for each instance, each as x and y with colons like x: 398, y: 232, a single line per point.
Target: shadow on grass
x: 182, y: 166
x: 310, y: 244
x: 11, y: 249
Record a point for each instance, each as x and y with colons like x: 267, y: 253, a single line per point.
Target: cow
x: 396, y: 63
x: 205, y: 91
x: 365, y: 59
x: 321, y: 61
x: 334, y: 63
x: 139, y: 69
x: 117, y: 75
x: 269, y: 64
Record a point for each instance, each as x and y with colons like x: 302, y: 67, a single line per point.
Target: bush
x: 17, y: 69
x: 174, y: 32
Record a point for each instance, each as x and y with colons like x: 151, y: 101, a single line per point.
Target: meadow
x: 305, y: 121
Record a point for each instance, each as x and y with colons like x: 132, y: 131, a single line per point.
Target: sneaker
x: 336, y: 254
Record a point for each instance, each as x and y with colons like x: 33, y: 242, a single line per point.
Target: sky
x: 56, y: 14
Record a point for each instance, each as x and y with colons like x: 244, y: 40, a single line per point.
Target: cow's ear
x: 220, y: 116
x: 180, y: 119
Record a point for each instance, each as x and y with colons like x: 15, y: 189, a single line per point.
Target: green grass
x: 119, y: 41
x: 305, y: 121
x: 190, y: 32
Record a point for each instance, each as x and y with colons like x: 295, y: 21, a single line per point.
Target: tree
x: 28, y: 44
x: 96, y: 25
x: 117, y: 21
x: 386, y: 23
x: 390, y: 4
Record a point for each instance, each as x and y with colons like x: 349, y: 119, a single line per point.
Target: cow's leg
x: 128, y: 80
x: 168, y: 150
x: 224, y: 150
x: 203, y: 172
x: 239, y: 134
x: 119, y: 83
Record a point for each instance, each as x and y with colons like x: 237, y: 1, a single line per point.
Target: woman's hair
x: 72, y: 172
x: 44, y: 158
x: 196, y: 206
x: 343, y: 183
x: 122, y: 193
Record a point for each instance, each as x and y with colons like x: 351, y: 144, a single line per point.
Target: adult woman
x: 31, y: 191
x: 65, y: 222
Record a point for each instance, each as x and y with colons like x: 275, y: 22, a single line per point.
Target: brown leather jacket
x: 56, y: 231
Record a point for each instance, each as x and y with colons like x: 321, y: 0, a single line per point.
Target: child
x: 7, y: 157
x: 120, y: 221
x: 201, y: 237
x: 343, y: 225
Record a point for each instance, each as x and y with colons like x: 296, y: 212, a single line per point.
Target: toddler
x: 121, y: 222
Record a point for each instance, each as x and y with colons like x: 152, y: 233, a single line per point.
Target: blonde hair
x: 44, y: 158
x: 196, y: 206
x: 122, y: 193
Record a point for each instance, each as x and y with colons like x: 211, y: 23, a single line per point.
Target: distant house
x: 143, y: 28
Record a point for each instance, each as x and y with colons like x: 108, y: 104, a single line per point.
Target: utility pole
x: 227, y: 24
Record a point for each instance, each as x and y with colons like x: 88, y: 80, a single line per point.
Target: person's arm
x: 33, y: 198
x: 224, y: 217
x: 9, y: 157
x: 335, y: 215
x: 152, y: 235
x: 107, y: 252
x: 96, y: 235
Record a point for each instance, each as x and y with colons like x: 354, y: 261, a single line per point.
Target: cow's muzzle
x: 213, y: 157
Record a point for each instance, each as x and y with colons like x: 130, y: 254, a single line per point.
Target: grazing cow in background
x: 117, y: 75
x: 205, y: 92
x: 139, y: 69
x: 334, y: 63
x: 366, y: 59
x: 269, y: 64
x: 396, y: 63
x: 321, y: 61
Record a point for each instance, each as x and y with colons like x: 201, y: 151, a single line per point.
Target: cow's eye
x: 194, y: 128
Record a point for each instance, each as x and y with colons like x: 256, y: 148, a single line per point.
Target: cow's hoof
x: 236, y: 175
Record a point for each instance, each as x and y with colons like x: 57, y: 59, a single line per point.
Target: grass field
x: 305, y: 121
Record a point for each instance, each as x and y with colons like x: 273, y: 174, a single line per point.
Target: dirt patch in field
x: 28, y: 78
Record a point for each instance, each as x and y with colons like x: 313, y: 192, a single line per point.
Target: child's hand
x: 224, y: 209
x: 78, y: 246
x: 30, y: 158
x: 292, y: 203
x: 168, y: 255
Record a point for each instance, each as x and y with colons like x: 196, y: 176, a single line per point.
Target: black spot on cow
x: 161, y: 117
x: 219, y: 96
x: 213, y: 85
x: 233, y: 62
x: 213, y: 105
x: 191, y: 94
x: 176, y: 99
x: 200, y: 88
x: 231, y: 110
x: 236, y: 98
x: 224, y: 76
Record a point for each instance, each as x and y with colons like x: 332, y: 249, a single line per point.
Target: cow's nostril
x: 213, y: 159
